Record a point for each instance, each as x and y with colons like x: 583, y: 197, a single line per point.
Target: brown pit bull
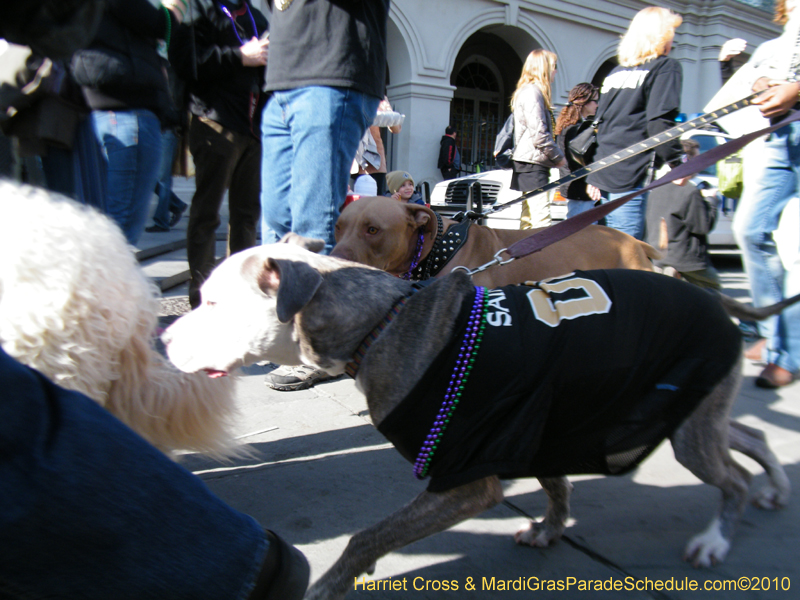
x: 384, y: 233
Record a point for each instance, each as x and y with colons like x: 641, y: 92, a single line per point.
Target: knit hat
x: 395, y: 179
x: 365, y: 185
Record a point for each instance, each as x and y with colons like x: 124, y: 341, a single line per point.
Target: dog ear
x: 310, y: 244
x: 423, y: 218
x: 296, y: 283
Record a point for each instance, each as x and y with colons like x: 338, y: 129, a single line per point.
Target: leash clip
x: 495, y: 261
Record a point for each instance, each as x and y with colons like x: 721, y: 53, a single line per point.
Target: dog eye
x: 372, y: 230
x: 209, y: 303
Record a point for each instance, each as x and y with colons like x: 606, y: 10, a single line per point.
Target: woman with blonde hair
x: 640, y: 98
x: 535, y: 149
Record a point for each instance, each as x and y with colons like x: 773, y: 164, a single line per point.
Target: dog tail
x: 651, y: 252
x: 745, y: 312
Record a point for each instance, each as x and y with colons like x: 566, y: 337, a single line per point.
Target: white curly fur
x: 75, y: 306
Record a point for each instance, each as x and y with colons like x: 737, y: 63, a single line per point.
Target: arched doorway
x: 485, y: 73
x: 603, y: 71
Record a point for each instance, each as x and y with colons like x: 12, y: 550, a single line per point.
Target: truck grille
x: 458, y: 190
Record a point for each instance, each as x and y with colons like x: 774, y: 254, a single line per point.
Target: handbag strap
x: 598, y: 118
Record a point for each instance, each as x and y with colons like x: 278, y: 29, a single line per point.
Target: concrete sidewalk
x: 320, y: 472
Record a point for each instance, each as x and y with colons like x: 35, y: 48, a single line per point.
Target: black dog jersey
x: 585, y: 373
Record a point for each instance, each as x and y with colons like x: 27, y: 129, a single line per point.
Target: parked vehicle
x: 456, y: 195
x: 453, y: 195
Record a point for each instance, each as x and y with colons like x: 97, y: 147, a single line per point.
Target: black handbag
x: 582, y: 144
x: 582, y: 141
x: 504, y: 145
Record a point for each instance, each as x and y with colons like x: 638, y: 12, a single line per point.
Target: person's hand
x: 594, y: 193
x: 778, y: 98
x: 255, y: 52
x: 561, y: 163
x: 396, y: 196
x: 761, y: 84
x: 177, y: 7
x: 732, y: 48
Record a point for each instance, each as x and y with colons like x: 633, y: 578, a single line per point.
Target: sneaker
x: 156, y: 229
x: 301, y: 377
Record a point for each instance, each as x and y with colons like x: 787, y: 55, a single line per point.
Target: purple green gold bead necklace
x: 415, y: 262
x: 476, y: 325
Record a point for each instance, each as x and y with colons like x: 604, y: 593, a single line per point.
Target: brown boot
x: 774, y: 376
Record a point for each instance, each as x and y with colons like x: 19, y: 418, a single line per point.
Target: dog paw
x: 535, y: 534
x: 771, y: 498
x: 707, y: 549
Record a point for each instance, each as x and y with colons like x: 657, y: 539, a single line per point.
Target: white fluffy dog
x: 75, y: 305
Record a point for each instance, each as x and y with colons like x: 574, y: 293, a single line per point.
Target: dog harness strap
x: 422, y: 270
x: 444, y: 249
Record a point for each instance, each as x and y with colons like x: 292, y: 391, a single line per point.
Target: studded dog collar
x: 444, y: 249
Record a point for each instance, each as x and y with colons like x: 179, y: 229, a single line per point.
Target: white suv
x: 450, y: 197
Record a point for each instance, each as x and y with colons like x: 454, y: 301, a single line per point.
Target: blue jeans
x: 576, y: 207
x: 168, y: 202
x: 309, y: 139
x: 131, y: 145
x: 628, y: 218
x: 764, y: 198
x: 89, y: 509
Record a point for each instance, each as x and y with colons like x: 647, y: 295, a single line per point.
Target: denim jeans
x: 576, y: 207
x: 131, y: 145
x: 771, y: 181
x: 88, y: 509
x: 168, y: 202
x: 628, y: 218
x: 309, y: 138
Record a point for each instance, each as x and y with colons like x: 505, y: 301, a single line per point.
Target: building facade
x: 457, y: 61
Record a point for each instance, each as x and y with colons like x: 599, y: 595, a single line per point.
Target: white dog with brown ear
x: 75, y: 305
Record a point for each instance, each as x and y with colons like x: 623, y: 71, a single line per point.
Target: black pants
x: 224, y: 161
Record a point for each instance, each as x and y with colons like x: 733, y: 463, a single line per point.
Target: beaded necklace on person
x: 233, y: 21
x: 458, y: 380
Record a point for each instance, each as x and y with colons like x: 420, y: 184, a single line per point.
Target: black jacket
x: 447, y: 153
x: 636, y: 103
x: 224, y: 91
x: 689, y: 218
x: 574, y: 190
x: 121, y: 68
x: 329, y: 43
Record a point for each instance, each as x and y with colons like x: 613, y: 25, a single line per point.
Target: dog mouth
x: 215, y: 374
